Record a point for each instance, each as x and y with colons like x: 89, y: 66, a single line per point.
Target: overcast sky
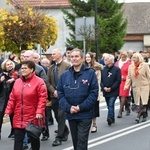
x: 128, y: 1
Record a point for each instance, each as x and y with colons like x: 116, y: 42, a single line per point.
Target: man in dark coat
x: 110, y: 82
x: 78, y: 93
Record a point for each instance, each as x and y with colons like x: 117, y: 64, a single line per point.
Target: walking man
x: 110, y: 82
x: 53, y: 75
x: 78, y: 92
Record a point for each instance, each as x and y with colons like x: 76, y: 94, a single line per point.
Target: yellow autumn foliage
x: 26, y: 26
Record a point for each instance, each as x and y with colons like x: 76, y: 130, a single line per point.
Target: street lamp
x: 96, y: 40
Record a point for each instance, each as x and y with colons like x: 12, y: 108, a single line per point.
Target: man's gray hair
x: 58, y: 50
x: 110, y: 57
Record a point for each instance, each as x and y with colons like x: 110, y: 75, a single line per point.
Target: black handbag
x: 34, y: 130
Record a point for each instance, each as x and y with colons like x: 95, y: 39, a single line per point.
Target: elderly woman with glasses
x: 7, y: 79
x: 28, y: 101
x: 139, y: 79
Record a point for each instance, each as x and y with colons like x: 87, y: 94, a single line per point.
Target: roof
x: 138, y: 16
x: 43, y: 3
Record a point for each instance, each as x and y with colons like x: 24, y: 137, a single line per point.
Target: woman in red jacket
x: 28, y: 101
x: 123, y: 63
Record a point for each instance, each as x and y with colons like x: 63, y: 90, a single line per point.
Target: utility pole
x: 96, y: 40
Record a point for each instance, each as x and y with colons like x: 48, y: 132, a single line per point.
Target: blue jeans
x: 111, y: 107
x: 25, y: 140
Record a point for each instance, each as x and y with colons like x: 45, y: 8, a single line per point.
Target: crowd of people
x: 69, y: 87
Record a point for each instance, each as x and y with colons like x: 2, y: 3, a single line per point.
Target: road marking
x: 114, y: 135
x: 117, y: 136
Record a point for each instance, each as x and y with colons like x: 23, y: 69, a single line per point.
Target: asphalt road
x: 125, y: 134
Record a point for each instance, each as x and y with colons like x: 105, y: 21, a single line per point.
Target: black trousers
x: 60, y: 118
x: 62, y: 127
x: 80, y: 132
x: 2, y: 116
x: 55, y: 106
x: 45, y: 131
x: 19, y: 136
x: 49, y: 114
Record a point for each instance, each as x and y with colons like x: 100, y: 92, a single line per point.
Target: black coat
x: 5, y: 90
x: 111, y: 78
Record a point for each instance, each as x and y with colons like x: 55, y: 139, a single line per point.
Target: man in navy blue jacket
x: 110, y: 82
x: 78, y: 92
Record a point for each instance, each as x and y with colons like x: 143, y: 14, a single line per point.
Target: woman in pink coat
x: 28, y: 101
x: 123, y: 63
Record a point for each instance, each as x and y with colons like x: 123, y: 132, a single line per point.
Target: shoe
x: 128, y: 112
x: 56, y: 131
x: 57, y: 142
x: 65, y: 138
x: 44, y: 138
x: 109, y: 121
x: 94, y: 129
x: 50, y: 123
x: 113, y: 121
x: 144, y: 119
x: 137, y: 120
x: 25, y: 147
x: 119, y: 115
x: 11, y: 136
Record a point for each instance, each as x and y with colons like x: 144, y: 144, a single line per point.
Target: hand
x: 125, y: 88
x: 39, y: 116
x: 10, y: 80
x: 74, y: 109
x: 107, y: 89
x: 2, y: 78
x: 6, y: 115
x: 55, y: 94
x: 123, y: 78
x: 78, y: 108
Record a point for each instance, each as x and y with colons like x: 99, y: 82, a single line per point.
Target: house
x: 138, y: 28
x: 52, y: 8
x: 137, y: 14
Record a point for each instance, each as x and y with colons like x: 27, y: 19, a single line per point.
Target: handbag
x: 34, y: 130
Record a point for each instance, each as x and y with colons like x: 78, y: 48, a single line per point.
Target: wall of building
x: 63, y: 31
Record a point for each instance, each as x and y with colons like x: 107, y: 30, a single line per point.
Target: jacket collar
x: 28, y: 79
x: 83, y: 67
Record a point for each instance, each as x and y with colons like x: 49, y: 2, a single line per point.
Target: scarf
x: 136, y: 72
x: 121, y: 63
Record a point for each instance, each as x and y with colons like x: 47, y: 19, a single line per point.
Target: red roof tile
x: 42, y: 3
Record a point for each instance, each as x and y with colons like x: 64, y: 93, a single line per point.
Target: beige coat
x: 139, y: 84
x: 98, y: 67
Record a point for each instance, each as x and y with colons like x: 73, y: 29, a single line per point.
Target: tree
x: 110, y: 29
x: 25, y: 27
